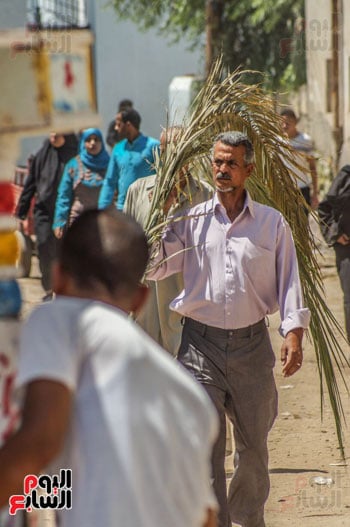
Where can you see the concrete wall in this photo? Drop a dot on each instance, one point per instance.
(13, 13)
(318, 50)
(137, 66)
(345, 155)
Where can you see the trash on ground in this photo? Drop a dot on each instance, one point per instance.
(321, 480)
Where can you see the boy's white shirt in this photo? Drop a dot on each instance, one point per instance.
(142, 430)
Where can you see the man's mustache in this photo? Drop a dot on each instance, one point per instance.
(223, 175)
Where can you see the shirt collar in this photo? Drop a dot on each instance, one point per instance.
(248, 203)
(135, 141)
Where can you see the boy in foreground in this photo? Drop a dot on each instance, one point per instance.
(103, 400)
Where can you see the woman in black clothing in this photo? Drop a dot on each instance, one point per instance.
(45, 173)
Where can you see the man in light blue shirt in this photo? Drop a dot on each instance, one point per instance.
(131, 159)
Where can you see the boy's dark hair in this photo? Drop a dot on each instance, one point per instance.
(105, 247)
(132, 116)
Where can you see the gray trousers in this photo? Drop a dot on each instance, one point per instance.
(236, 369)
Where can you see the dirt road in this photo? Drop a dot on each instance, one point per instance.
(302, 446)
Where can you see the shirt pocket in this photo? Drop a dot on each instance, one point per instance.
(254, 262)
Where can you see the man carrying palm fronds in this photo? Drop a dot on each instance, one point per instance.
(239, 264)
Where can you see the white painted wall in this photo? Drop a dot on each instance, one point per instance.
(137, 66)
(345, 156)
(13, 13)
(318, 50)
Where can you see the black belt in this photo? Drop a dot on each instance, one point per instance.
(204, 329)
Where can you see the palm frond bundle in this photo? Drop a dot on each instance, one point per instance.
(226, 103)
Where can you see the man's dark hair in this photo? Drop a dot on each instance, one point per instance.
(288, 112)
(132, 116)
(236, 138)
(105, 247)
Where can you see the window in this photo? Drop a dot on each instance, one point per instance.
(56, 14)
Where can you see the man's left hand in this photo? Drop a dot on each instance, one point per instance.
(291, 352)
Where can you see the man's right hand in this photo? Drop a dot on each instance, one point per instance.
(291, 352)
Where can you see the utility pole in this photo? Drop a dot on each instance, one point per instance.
(213, 15)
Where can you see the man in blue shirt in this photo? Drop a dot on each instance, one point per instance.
(131, 159)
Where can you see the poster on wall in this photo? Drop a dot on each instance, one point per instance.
(71, 83)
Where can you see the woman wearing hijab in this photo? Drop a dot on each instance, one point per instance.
(45, 172)
(81, 181)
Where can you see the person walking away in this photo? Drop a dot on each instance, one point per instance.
(44, 176)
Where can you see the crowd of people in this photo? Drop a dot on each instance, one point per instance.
(70, 174)
(144, 434)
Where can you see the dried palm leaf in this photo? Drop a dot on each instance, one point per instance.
(226, 103)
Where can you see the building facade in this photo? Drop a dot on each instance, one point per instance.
(125, 62)
(136, 66)
(327, 26)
